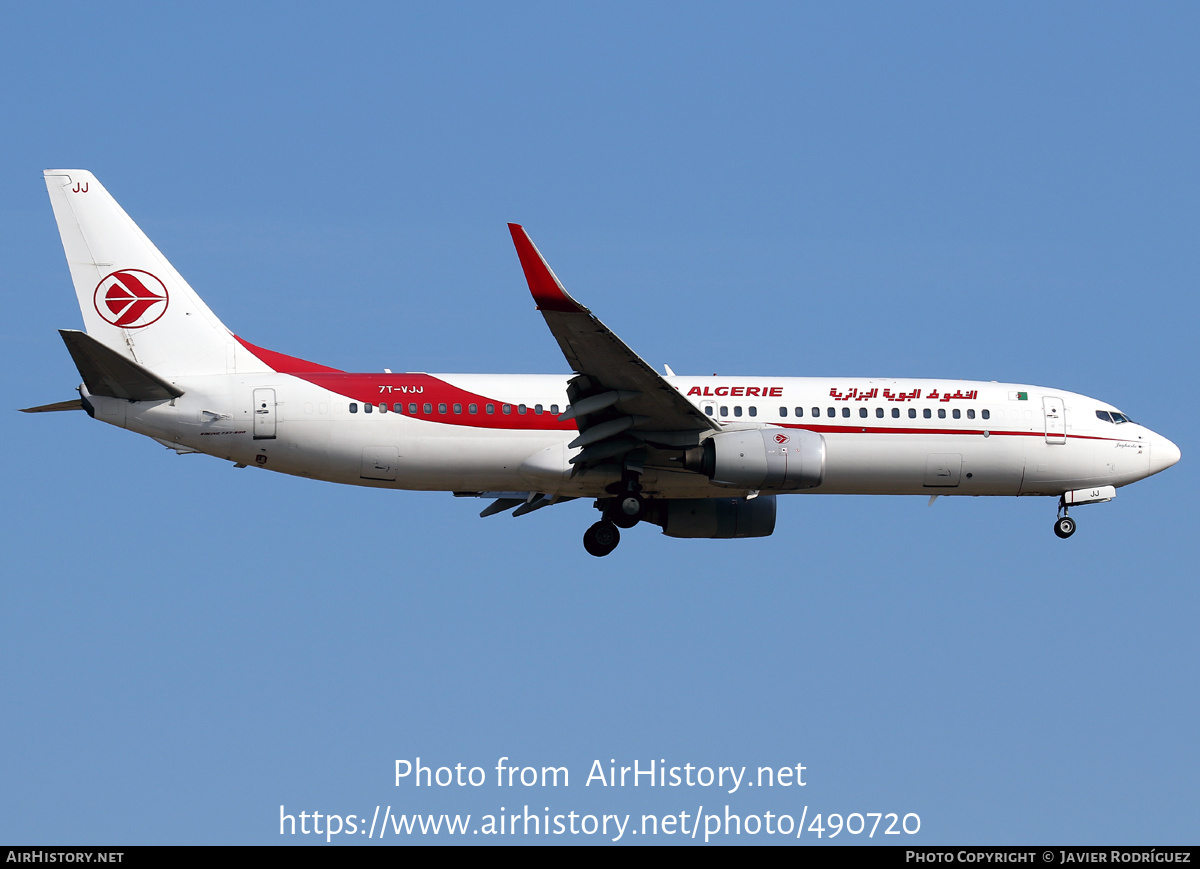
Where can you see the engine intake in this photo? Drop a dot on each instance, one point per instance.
(773, 458)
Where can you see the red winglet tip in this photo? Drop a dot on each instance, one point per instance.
(546, 289)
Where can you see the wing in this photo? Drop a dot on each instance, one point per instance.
(619, 403)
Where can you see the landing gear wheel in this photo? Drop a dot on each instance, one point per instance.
(628, 510)
(601, 539)
(1064, 526)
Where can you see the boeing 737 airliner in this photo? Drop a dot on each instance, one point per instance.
(698, 456)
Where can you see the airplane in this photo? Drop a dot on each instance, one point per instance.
(700, 457)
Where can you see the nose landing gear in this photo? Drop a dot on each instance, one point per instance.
(1064, 525)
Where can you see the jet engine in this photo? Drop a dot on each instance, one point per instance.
(772, 458)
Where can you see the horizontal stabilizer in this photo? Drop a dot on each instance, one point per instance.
(73, 404)
(107, 372)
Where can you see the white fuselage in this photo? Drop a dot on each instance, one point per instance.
(435, 432)
(689, 454)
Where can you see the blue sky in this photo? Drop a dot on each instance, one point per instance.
(1002, 192)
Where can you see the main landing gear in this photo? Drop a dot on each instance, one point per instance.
(1064, 525)
(625, 510)
(601, 539)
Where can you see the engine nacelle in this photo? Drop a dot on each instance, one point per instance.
(722, 518)
(772, 458)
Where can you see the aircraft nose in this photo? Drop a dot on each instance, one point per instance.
(1163, 454)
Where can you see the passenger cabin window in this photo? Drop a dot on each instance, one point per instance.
(862, 411)
(927, 413)
(957, 413)
(971, 413)
(986, 414)
(941, 413)
(472, 408)
(398, 407)
(753, 411)
(912, 413)
(783, 411)
(708, 409)
(895, 413)
(428, 407)
(554, 409)
(831, 411)
(367, 408)
(412, 408)
(799, 411)
(354, 407)
(724, 411)
(737, 410)
(879, 412)
(491, 408)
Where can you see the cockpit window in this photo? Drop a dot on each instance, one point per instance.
(1103, 415)
(1112, 416)
(1120, 417)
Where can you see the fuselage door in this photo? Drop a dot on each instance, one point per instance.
(264, 414)
(1056, 419)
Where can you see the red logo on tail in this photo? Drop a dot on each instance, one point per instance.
(131, 299)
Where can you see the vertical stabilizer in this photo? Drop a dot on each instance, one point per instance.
(133, 301)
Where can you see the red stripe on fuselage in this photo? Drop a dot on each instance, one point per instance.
(419, 389)
(422, 389)
(406, 389)
(862, 429)
(283, 363)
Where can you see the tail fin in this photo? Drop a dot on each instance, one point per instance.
(133, 301)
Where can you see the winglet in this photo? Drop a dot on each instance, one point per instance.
(546, 288)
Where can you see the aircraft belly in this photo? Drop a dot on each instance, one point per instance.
(916, 464)
(1052, 469)
(467, 460)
